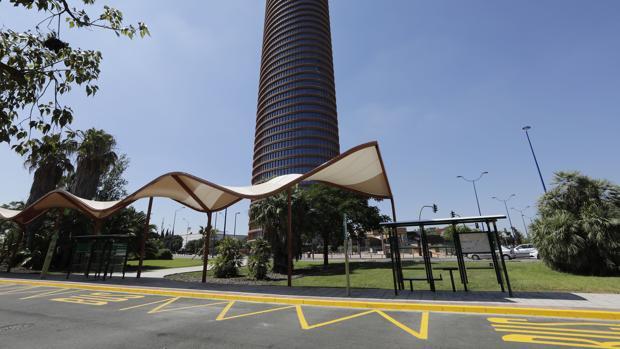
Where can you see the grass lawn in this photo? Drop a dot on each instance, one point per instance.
(524, 276)
(531, 276)
(150, 264)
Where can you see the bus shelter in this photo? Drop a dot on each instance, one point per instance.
(485, 241)
(99, 255)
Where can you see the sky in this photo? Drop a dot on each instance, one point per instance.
(444, 87)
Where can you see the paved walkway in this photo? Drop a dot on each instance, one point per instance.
(161, 273)
(559, 300)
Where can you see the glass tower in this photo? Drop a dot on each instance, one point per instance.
(296, 119)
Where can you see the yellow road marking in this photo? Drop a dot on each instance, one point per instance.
(161, 307)
(97, 298)
(18, 290)
(222, 315)
(51, 293)
(338, 303)
(559, 341)
(144, 305)
(516, 321)
(304, 324)
(558, 333)
(497, 327)
(421, 334)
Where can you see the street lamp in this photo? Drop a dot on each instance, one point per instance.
(473, 182)
(174, 221)
(507, 212)
(526, 128)
(523, 217)
(235, 229)
(225, 216)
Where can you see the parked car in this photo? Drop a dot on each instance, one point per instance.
(508, 254)
(534, 254)
(524, 251)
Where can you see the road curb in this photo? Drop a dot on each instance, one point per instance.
(360, 304)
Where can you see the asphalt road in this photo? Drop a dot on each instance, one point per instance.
(52, 317)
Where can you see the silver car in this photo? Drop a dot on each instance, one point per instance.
(508, 254)
(524, 251)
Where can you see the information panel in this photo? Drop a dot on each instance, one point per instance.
(474, 243)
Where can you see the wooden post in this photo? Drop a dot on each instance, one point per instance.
(289, 239)
(205, 248)
(145, 234)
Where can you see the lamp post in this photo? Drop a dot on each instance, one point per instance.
(225, 216)
(526, 129)
(235, 229)
(174, 220)
(473, 182)
(507, 212)
(523, 217)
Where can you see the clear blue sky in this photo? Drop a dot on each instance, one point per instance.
(444, 86)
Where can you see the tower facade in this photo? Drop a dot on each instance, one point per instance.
(296, 118)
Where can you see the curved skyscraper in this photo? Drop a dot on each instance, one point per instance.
(296, 119)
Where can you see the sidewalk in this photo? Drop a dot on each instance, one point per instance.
(550, 300)
(161, 273)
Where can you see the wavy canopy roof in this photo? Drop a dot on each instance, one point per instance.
(359, 169)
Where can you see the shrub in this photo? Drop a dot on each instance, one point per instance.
(578, 230)
(229, 258)
(164, 254)
(258, 261)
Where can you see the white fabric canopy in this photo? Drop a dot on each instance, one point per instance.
(359, 169)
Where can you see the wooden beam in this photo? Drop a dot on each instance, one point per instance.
(191, 193)
(145, 234)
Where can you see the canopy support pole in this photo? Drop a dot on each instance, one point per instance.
(51, 247)
(205, 248)
(20, 237)
(97, 226)
(289, 240)
(397, 272)
(145, 233)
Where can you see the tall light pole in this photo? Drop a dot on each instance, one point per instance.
(174, 221)
(522, 217)
(473, 182)
(225, 216)
(507, 212)
(527, 128)
(235, 229)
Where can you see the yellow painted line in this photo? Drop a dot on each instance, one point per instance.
(397, 306)
(304, 324)
(537, 328)
(19, 290)
(51, 293)
(222, 315)
(558, 341)
(556, 333)
(421, 334)
(144, 305)
(164, 304)
(509, 321)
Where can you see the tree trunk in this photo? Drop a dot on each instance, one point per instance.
(45, 179)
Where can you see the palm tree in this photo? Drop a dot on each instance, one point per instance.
(578, 229)
(49, 158)
(271, 215)
(95, 156)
